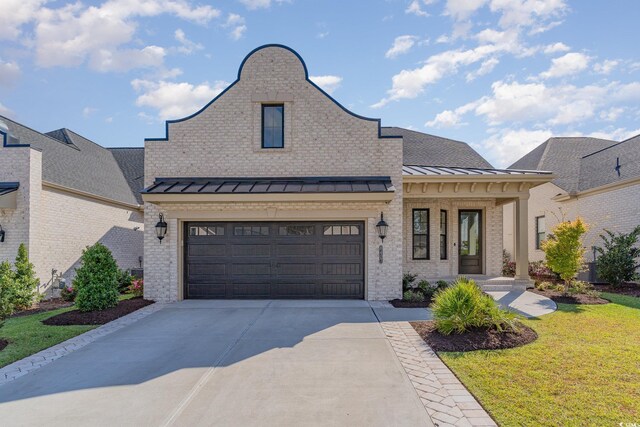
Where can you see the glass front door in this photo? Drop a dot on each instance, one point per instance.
(470, 247)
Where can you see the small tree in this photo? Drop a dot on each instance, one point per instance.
(617, 262)
(564, 251)
(26, 281)
(96, 280)
(7, 286)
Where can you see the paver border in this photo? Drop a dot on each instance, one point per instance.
(446, 399)
(44, 357)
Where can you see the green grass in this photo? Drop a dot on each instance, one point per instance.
(584, 369)
(27, 335)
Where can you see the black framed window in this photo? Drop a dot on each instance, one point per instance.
(272, 126)
(541, 231)
(421, 234)
(443, 235)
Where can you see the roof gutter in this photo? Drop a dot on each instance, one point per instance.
(597, 190)
(92, 196)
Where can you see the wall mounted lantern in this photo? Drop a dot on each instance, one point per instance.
(1, 234)
(382, 227)
(161, 228)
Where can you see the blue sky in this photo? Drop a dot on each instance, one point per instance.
(502, 75)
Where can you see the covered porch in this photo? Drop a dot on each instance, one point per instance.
(453, 223)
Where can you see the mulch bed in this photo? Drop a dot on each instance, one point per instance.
(629, 289)
(3, 344)
(398, 303)
(42, 306)
(75, 317)
(476, 339)
(559, 297)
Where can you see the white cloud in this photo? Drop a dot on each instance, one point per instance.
(260, 4)
(556, 48)
(328, 83)
(88, 112)
(445, 119)
(5, 111)
(175, 100)
(612, 114)
(74, 34)
(237, 25)
(415, 7)
(401, 45)
(14, 14)
(527, 13)
(9, 72)
(186, 46)
(485, 68)
(569, 64)
(508, 145)
(615, 134)
(462, 9)
(606, 66)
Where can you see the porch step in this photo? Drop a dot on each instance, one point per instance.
(495, 287)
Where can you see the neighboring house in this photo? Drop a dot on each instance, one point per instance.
(60, 192)
(274, 190)
(596, 179)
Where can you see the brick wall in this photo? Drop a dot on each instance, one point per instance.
(435, 267)
(321, 139)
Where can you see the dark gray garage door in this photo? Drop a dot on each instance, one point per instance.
(274, 260)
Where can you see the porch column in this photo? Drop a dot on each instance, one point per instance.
(521, 230)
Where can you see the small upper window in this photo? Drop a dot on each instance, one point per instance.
(541, 231)
(273, 126)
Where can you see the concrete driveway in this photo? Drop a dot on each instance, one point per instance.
(266, 363)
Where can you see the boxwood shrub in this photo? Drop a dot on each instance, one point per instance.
(96, 281)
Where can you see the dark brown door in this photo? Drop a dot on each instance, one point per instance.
(313, 260)
(470, 242)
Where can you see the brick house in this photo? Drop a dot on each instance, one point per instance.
(60, 192)
(274, 190)
(596, 179)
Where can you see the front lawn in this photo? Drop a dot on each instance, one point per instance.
(27, 335)
(584, 369)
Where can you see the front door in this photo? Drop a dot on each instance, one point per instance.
(470, 242)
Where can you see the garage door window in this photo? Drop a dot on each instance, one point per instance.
(341, 230)
(206, 231)
(297, 230)
(251, 231)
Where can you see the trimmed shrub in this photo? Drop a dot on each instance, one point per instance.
(463, 306)
(563, 249)
(96, 280)
(617, 262)
(136, 288)
(7, 285)
(124, 281)
(442, 284)
(68, 294)
(26, 281)
(407, 281)
(412, 296)
(508, 266)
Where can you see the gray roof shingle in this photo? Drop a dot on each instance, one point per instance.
(72, 161)
(131, 161)
(562, 156)
(424, 149)
(599, 168)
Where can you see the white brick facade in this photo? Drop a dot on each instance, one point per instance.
(321, 139)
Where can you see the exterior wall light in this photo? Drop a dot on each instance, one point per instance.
(382, 227)
(1, 234)
(161, 228)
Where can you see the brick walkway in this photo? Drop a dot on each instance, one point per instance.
(445, 398)
(48, 355)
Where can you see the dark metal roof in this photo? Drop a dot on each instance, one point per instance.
(338, 184)
(413, 170)
(8, 187)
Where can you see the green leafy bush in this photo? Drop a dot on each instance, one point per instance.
(136, 288)
(124, 281)
(463, 306)
(407, 281)
(617, 262)
(26, 281)
(412, 296)
(96, 280)
(563, 249)
(442, 284)
(7, 285)
(68, 294)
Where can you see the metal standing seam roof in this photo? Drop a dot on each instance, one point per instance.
(8, 187)
(414, 170)
(371, 184)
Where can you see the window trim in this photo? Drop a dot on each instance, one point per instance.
(263, 106)
(537, 224)
(413, 234)
(444, 233)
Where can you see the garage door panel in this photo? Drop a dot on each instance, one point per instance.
(321, 259)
